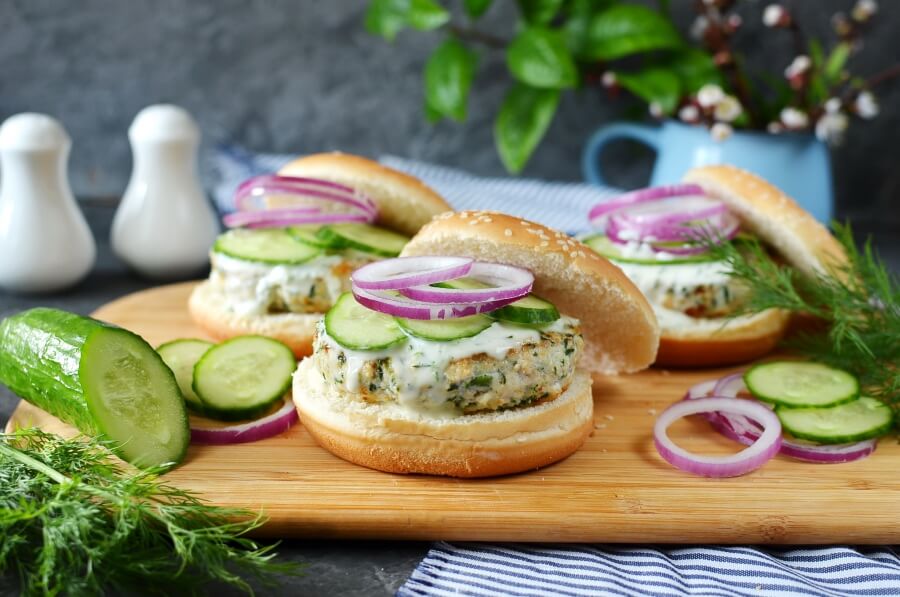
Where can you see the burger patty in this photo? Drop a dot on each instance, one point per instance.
(540, 366)
(695, 289)
(260, 288)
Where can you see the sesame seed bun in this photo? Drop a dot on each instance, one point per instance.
(784, 226)
(620, 329)
(404, 202)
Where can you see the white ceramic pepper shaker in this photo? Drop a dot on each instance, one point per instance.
(164, 226)
(45, 242)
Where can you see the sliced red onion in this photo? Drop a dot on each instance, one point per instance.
(273, 424)
(732, 465)
(506, 282)
(400, 306)
(403, 272)
(304, 187)
(289, 216)
(599, 212)
(720, 227)
(746, 431)
(672, 212)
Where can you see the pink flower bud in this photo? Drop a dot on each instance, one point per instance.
(689, 114)
(608, 79)
(775, 15)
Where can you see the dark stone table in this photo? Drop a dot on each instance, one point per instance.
(334, 567)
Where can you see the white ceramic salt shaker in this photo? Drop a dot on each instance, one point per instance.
(164, 226)
(45, 243)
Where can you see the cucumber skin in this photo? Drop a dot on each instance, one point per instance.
(40, 353)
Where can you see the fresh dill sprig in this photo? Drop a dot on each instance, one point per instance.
(857, 305)
(73, 522)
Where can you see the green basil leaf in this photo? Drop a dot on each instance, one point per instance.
(426, 15)
(695, 68)
(524, 117)
(626, 29)
(834, 66)
(386, 18)
(448, 78)
(539, 12)
(538, 56)
(476, 8)
(653, 84)
(579, 15)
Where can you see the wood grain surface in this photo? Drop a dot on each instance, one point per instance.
(615, 489)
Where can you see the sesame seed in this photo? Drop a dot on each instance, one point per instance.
(507, 232)
(544, 243)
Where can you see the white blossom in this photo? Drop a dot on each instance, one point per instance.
(608, 79)
(831, 127)
(800, 65)
(709, 95)
(863, 10)
(775, 128)
(793, 118)
(773, 15)
(689, 113)
(699, 27)
(866, 105)
(728, 109)
(833, 105)
(656, 109)
(721, 131)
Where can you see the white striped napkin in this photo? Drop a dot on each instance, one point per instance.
(480, 569)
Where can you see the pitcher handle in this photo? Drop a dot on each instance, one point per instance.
(590, 157)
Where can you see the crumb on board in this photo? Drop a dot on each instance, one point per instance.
(610, 417)
(651, 411)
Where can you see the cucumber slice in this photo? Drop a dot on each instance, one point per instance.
(442, 330)
(104, 380)
(529, 310)
(608, 249)
(363, 237)
(243, 377)
(308, 233)
(268, 245)
(358, 328)
(796, 384)
(181, 356)
(854, 421)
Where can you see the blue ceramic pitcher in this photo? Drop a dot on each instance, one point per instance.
(797, 164)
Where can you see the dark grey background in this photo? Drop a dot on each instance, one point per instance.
(303, 76)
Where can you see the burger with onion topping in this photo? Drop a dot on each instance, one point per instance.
(471, 355)
(295, 239)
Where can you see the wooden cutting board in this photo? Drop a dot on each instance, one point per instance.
(615, 489)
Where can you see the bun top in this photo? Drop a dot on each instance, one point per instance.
(620, 329)
(405, 203)
(773, 216)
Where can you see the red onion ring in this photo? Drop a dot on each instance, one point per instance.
(288, 216)
(506, 282)
(273, 424)
(746, 431)
(732, 465)
(599, 211)
(303, 187)
(671, 212)
(403, 272)
(400, 306)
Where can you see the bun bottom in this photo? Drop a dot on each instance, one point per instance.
(390, 438)
(714, 343)
(209, 309)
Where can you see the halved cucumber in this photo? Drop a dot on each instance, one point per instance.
(363, 237)
(358, 328)
(268, 245)
(243, 377)
(529, 310)
(795, 384)
(854, 421)
(602, 245)
(181, 356)
(443, 330)
(99, 378)
(308, 233)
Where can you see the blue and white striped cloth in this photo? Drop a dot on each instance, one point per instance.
(480, 569)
